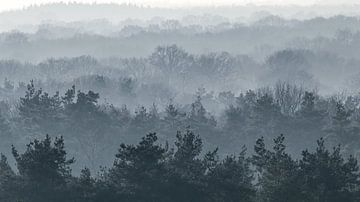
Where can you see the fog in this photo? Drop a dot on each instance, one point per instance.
(18, 4)
(254, 101)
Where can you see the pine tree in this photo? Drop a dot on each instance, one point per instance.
(343, 131)
(199, 120)
(328, 177)
(174, 119)
(44, 169)
(278, 172)
(39, 112)
(85, 188)
(8, 181)
(264, 117)
(5, 132)
(308, 122)
(187, 180)
(231, 180)
(138, 170)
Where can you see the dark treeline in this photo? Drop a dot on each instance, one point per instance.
(149, 171)
(93, 129)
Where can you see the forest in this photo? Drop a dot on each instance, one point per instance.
(273, 144)
(99, 103)
(149, 171)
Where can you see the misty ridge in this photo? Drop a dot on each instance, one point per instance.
(108, 102)
(253, 47)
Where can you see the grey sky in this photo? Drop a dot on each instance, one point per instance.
(18, 4)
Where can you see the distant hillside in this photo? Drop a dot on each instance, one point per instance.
(34, 15)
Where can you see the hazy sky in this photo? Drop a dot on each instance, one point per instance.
(16, 4)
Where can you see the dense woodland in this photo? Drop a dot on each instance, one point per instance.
(93, 130)
(179, 107)
(149, 171)
(271, 144)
